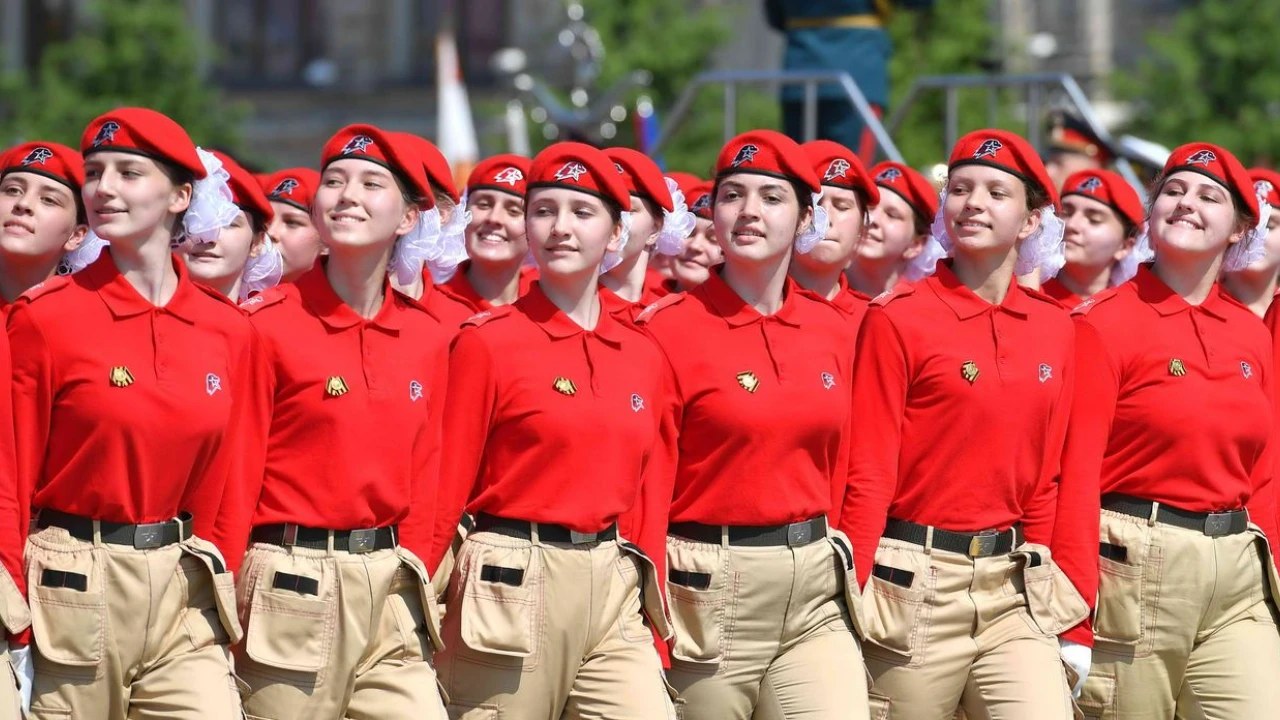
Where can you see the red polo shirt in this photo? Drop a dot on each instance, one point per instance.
(352, 409)
(125, 411)
(758, 408)
(13, 519)
(461, 289)
(851, 304)
(548, 422)
(1174, 401)
(961, 410)
(1056, 290)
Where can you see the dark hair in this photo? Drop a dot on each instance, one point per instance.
(257, 221)
(922, 223)
(1037, 197)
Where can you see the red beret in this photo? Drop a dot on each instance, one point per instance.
(1266, 183)
(1004, 151)
(366, 142)
(506, 173)
(295, 186)
(245, 190)
(439, 174)
(839, 167)
(579, 167)
(699, 199)
(686, 182)
(1109, 189)
(54, 161)
(1218, 165)
(642, 176)
(767, 152)
(142, 132)
(909, 184)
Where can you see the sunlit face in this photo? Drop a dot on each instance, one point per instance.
(37, 218)
(890, 235)
(127, 197)
(986, 211)
(360, 204)
(1095, 235)
(701, 253)
(569, 231)
(846, 214)
(1193, 214)
(496, 234)
(297, 237)
(220, 263)
(757, 218)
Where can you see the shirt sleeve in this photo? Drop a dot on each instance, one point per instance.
(1263, 502)
(469, 410)
(32, 399)
(1093, 408)
(417, 531)
(881, 377)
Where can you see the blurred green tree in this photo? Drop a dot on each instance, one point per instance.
(131, 53)
(1213, 76)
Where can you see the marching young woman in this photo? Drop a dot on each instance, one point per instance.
(494, 273)
(896, 231)
(291, 193)
(701, 253)
(126, 378)
(848, 194)
(962, 389)
(761, 588)
(42, 217)
(241, 260)
(656, 222)
(339, 613)
(1103, 215)
(1256, 285)
(1174, 415)
(550, 425)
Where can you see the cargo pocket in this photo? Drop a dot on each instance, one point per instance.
(895, 612)
(1269, 572)
(426, 589)
(14, 612)
(1127, 562)
(697, 587)
(844, 566)
(881, 706)
(224, 587)
(650, 591)
(68, 605)
(501, 599)
(293, 613)
(1097, 698)
(473, 712)
(1052, 599)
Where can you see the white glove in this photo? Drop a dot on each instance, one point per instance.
(1079, 658)
(20, 658)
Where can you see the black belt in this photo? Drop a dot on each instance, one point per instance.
(975, 545)
(144, 536)
(353, 541)
(795, 534)
(547, 532)
(1213, 524)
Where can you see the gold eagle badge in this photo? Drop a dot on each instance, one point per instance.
(336, 387)
(564, 386)
(748, 381)
(121, 377)
(1176, 368)
(969, 371)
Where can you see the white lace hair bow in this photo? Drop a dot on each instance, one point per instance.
(677, 225)
(416, 247)
(808, 240)
(212, 203)
(613, 258)
(453, 243)
(83, 256)
(1126, 267)
(1253, 246)
(263, 271)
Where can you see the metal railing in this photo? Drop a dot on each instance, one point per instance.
(1037, 87)
(809, 80)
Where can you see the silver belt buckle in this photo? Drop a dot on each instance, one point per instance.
(1218, 524)
(362, 541)
(149, 536)
(983, 544)
(800, 533)
(578, 538)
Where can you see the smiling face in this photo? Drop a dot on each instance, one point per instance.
(986, 211)
(569, 231)
(360, 204)
(496, 235)
(757, 217)
(128, 197)
(891, 235)
(701, 253)
(297, 237)
(38, 218)
(219, 264)
(1095, 236)
(1194, 215)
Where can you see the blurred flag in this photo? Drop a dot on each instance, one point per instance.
(456, 136)
(646, 126)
